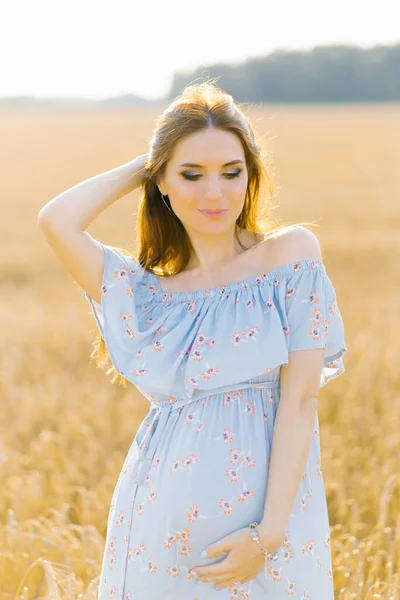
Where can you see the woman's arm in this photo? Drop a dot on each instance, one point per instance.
(78, 206)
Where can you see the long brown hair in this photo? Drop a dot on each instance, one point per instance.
(163, 246)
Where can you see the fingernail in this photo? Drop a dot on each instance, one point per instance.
(203, 554)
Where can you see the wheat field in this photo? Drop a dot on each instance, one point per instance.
(65, 430)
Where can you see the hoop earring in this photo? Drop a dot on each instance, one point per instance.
(167, 205)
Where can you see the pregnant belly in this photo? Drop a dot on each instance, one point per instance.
(208, 477)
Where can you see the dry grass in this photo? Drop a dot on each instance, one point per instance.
(65, 431)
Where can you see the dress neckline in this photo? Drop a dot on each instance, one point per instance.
(285, 270)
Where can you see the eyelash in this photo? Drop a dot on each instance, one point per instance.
(230, 175)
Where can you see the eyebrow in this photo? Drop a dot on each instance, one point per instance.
(232, 162)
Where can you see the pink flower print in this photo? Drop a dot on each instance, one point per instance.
(319, 468)
(189, 460)
(307, 548)
(234, 475)
(185, 550)
(174, 571)
(103, 290)
(269, 303)
(314, 332)
(172, 399)
(138, 372)
(155, 463)
(227, 436)
(236, 339)
(251, 409)
(276, 573)
(326, 324)
(152, 288)
(130, 332)
(287, 555)
(167, 297)
(200, 339)
(121, 372)
(125, 316)
(249, 304)
(211, 343)
(327, 542)
(268, 370)
(328, 572)
(202, 426)
(112, 544)
(313, 297)
(196, 355)
(297, 267)
(184, 535)
(157, 346)
(226, 505)
(160, 331)
(206, 401)
(149, 321)
(192, 381)
(120, 273)
(286, 542)
(248, 461)
(189, 419)
(112, 592)
(126, 470)
(210, 372)
(249, 333)
(286, 330)
(332, 306)
(246, 495)
(175, 466)
(151, 566)
(134, 553)
(140, 508)
(303, 502)
(193, 513)
(290, 291)
(277, 281)
(235, 456)
(305, 596)
(139, 354)
(121, 519)
(265, 418)
(112, 562)
(170, 541)
(316, 318)
(291, 588)
(144, 309)
(128, 595)
(192, 307)
(190, 574)
(318, 563)
(151, 497)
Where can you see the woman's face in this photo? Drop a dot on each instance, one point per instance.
(212, 185)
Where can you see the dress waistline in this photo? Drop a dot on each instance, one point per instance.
(160, 413)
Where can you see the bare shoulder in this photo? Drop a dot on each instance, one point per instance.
(295, 243)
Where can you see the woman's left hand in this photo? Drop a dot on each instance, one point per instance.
(245, 559)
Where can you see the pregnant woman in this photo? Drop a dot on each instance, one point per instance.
(229, 326)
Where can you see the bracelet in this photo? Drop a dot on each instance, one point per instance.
(267, 555)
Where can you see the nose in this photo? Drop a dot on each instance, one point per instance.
(213, 189)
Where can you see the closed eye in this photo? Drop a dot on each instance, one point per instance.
(195, 177)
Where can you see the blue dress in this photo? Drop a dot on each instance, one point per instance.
(208, 362)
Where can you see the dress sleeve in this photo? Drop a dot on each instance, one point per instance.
(116, 316)
(313, 318)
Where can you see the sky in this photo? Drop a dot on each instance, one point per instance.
(98, 50)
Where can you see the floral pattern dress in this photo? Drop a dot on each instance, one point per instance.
(208, 361)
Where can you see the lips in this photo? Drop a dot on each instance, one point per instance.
(212, 212)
